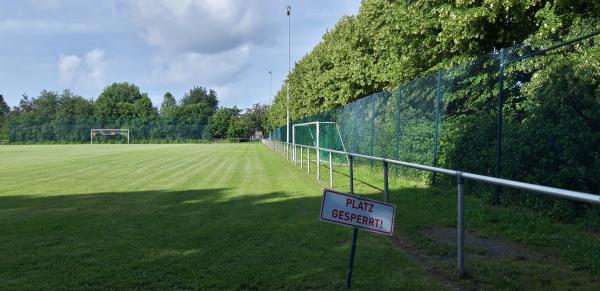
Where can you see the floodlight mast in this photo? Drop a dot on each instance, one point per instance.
(287, 133)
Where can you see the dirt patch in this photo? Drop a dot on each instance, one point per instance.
(431, 264)
(490, 247)
(442, 268)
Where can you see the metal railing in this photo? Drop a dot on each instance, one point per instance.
(284, 148)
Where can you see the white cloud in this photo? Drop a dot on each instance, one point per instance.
(191, 67)
(86, 71)
(204, 26)
(202, 42)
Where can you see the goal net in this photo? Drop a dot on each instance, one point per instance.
(109, 135)
(320, 134)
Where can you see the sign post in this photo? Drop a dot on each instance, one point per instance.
(357, 212)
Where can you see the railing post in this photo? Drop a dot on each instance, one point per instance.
(330, 170)
(386, 196)
(294, 144)
(301, 160)
(308, 160)
(351, 173)
(460, 181)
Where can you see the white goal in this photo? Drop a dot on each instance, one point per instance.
(95, 133)
(319, 134)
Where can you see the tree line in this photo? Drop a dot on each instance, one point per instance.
(67, 117)
(391, 42)
(412, 51)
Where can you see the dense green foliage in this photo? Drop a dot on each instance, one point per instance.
(417, 51)
(67, 118)
(222, 121)
(122, 101)
(229, 122)
(391, 42)
(4, 110)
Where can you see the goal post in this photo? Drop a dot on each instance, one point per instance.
(112, 132)
(319, 134)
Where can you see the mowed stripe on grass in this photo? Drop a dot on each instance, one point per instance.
(176, 216)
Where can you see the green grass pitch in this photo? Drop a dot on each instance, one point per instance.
(239, 216)
(219, 216)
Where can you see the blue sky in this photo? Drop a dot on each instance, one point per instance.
(159, 45)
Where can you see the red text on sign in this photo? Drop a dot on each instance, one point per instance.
(357, 218)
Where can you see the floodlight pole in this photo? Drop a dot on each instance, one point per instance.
(289, 11)
(271, 88)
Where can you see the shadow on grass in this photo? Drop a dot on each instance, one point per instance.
(192, 239)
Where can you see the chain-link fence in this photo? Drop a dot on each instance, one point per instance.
(24, 130)
(530, 113)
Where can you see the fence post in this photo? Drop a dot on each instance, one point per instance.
(372, 134)
(436, 136)
(318, 153)
(460, 181)
(398, 128)
(499, 129)
(330, 170)
(386, 196)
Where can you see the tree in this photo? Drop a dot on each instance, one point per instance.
(71, 105)
(393, 42)
(47, 104)
(124, 101)
(255, 118)
(4, 109)
(25, 104)
(193, 114)
(221, 121)
(238, 128)
(199, 95)
(168, 105)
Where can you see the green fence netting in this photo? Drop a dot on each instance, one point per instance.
(23, 129)
(530, 113)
